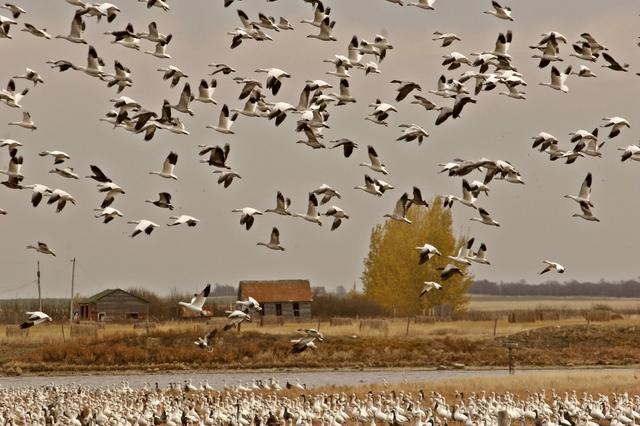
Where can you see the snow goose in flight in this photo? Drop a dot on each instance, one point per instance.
(224, 122)
(121, 78)
(480, 256)
(312, 134)
(584, 71)
(552, 266)
(247, 216)
(558, 79)
(485, 218)
(161, 48)
(12, 146)
(274, 78)
(543, 140)
(454, 60)
(584, 196)
(142, 225)
(163, 201)
(168, 167)
(467, 199)
(596, 47)
(383, 186)
(67, 172)
(4, 30)
(631, 152)
(282, 205)
(404, 88)
(583, 51)
(58, 156)
(502, 12)
(26, 122)
(172, 73)
(319, 15)
(217, 155)
(30, 75)
(338, 214)
(249, 304)
(380, 112)
(274, 241)
(344, 97)
(38, 191)
(98, 175)
(284, 24)
(463, 252)
(126, 37)
(108, 213)
(428, 286)
(423, 102)
(374, 161)
(205, 92)
(197, 302)
(77, 28)
(158, 3)
(184, 219)
(327, 193)
(513, 92)
(412, 132)
(35, 318)
(206, 341)
(279, 111)
(342, 65)
(15, 10)
(427, 251)
(250, 108)
(449, 271)
(417, 198)
(227, 176)
(94, 65)
(370, 186)
(42, 248)
(326, 26)
(612, 64)
(61, 197)
(15, 167)
(112, 190)
(184, 101)
(586, 213)
(235, 318)
(549, 54)
(583, 135)
(616, 124)
(447, 38)
(347, 146)
(302, 344)
(371, 68)
(312, 214)
(153, 35)
(401, 209)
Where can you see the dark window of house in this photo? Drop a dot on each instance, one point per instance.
(296, 309)
(278, 309)
(133, 315)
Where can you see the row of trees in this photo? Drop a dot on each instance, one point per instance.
(628, 288)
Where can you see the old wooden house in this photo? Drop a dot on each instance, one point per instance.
(287, 298)
(114, 305)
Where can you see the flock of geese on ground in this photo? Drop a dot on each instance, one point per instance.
(484, 71)
(260, 405)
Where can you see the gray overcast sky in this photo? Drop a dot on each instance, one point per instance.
(536, 221)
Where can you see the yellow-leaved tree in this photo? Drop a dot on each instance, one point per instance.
(392, 276)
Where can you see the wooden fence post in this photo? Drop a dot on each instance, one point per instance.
(408, 322)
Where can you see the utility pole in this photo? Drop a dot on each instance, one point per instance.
(73, 276)
(39, 291)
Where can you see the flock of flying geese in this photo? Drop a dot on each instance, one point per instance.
(190, 404)
(485, 70)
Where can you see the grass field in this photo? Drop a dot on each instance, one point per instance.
(505, 303)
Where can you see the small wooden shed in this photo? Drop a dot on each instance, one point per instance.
(114, 305)
(287, 298)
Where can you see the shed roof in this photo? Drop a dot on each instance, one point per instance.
(103, 293)
(276, 291)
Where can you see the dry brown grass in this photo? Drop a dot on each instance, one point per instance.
(505, 303)
(521, 383)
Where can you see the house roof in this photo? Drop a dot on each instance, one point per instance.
(107, 292)
(276, 291)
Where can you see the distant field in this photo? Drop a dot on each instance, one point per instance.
(505, 303)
